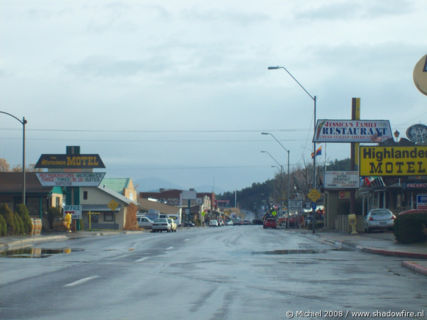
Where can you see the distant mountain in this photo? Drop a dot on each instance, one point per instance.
(205, 188)
(154, 184)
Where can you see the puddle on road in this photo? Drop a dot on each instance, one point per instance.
(290, 251)
(36, 252)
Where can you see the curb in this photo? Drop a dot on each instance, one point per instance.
(403, 254)
(415, 267)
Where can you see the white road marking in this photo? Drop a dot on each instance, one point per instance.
(81, 281)
(170, 248)
(186, 239)
(142, 259)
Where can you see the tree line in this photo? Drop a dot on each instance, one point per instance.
(261, 195)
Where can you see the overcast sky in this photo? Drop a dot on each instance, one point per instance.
(180, 91)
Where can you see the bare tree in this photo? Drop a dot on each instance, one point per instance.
(4, 165)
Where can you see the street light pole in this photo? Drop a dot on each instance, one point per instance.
(23, 122)
(288, 151)
(274, 159)
(314, 98)
(281, 170)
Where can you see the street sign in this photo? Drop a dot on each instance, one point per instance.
(313, 205)
(74, 210)
(113, 205)
(393, 161)
(70, 179)
(346, 131)
(341, 180)
(314, 195)
(70, 161)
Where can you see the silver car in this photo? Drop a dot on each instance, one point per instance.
(379, 219)
(144, 222)
(161, 224)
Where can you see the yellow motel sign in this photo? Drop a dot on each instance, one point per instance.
(393, 161)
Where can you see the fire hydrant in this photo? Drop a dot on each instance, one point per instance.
(352, 221)
(67, 221)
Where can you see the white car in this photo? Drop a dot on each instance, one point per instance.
(144, 222)
(161, 224)
(380, 218)
(213, 223)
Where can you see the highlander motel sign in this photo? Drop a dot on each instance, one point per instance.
(393, 161)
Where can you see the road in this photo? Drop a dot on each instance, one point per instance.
(240, 272)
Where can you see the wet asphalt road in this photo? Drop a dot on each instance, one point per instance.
(240, 272)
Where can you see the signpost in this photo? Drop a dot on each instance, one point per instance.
(393, 161)
(69, 161)
(74, 210)
(70, 179)
(314, 195)
(72, 171)
(341, 179)
(352, 131)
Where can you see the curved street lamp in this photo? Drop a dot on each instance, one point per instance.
(274, 159)
(314, 98)
(23, 122)
(288, 151)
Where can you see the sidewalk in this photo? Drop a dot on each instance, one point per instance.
(18, 242)
(382, 243)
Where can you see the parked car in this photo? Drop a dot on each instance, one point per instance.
(213, 223)
(229, 223)
(161, 224)
(270, 223)
(173, 224)
(380, 218)
(144, 222)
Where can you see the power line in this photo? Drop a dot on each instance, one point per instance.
(157, 131)
(156, 140)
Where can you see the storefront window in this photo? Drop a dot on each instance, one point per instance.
(109, 217)
(95, 218)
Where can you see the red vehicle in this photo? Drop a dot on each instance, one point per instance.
(411, 211)
(270, 223)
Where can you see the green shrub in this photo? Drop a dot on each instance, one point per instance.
(410, 228)
(23, 212)
(9, 217)
(3, 226)
(19, 224)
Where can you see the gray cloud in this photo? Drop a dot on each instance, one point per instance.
(226, 16)
(356, 9)
(108, 67)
